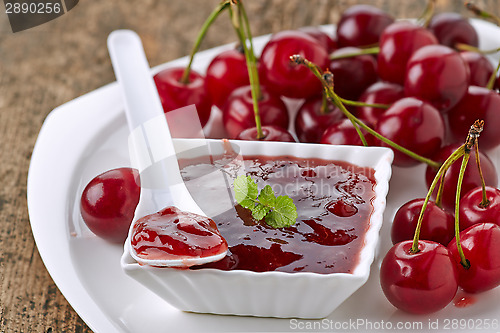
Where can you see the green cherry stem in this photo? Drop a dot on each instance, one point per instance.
(482, 13)
(239, 20)
(428, 13)
(467, 47)
(369, 50)
(493, 77)
(298, 59)
(211, 19)
(463, 261)
(485, 202)
(446, 164)
(324, 104)
(360, 104)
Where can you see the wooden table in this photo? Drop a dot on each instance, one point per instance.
(49, 65)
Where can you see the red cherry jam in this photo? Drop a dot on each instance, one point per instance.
(175, 234)
(334, 205)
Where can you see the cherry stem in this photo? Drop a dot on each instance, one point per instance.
(426, 16)
(481, 13)
(463, 260)
(357, 103)
(446, 164)
(493, 77)
(298, 59)
(242, 28)
(439, 195)
(369, 50)
(485, 202)
(324, 104)
(467, 47)
(211, 19)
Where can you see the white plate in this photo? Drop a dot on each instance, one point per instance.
(87, 136)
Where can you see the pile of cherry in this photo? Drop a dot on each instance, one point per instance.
(433, 94)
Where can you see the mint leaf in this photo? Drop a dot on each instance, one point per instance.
(260, 211)
(245, 191)
(267, 197)
(284, 213)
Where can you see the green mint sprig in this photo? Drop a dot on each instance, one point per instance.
(279, 212)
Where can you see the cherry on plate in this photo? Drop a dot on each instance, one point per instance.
(238, 113)
(227, 71)
(437, 74)
(471, 176)
(415, 125)
(481, 247)
(310, 123)
(175, 94)
(478, 103)
(452, 28)
(271, 133)
(472, 211)
(437, 224)
(281, 75)
(422, 282)
(352, 75)
(362, 25)
(378, 93)
(397, 44)
(108, 203)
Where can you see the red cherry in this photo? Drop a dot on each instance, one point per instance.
(422, 282)
(362, 25)
(238, 112)
(271, 133)
(480, 68)
(310, 123)
(281, 75)
(415, 125)
(478, 103)
(453, 28)
(226, 72)
(381, 93)
(397, 44)
(175, 94)
(437, 74)
(481, 247)
(322, 37)
(108, 203)
(354, 74)
(471, 176)
(471, 210)
(437, 224)
(342, 132)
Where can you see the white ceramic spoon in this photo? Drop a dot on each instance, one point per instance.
(151, 148)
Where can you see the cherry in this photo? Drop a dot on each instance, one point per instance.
(354, 74)
(322, 37)
(478, 103)
(362, 25)
(472, 211)
(108, 203)
(480, 68)
(175, 94)
(437, 74)
(437, 224)
(378, 93)
(415, 125)
(271, 133)
(342, 132)
(471, 175)
(226, 72)
(238, 111)
(310, 122)
(481, 247)
(397, 44)
(281, 75)
(422, 282)
(453, 28)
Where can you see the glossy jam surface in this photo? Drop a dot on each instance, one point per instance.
(174, 234)
(334, 204)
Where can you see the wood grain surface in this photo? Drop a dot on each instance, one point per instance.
(51, 64)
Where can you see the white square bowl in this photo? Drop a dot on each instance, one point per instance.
(272, 294)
